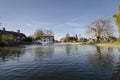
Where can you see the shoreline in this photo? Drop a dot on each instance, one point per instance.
(70, 43)
(113, 45)
(116, 45)
(109, 45)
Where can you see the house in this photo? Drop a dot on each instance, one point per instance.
(15, 36)
(46, 39)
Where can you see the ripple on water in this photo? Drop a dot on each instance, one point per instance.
(59, 62)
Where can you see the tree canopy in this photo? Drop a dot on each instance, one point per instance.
(39, 33)
(67, 38)
(117, 19)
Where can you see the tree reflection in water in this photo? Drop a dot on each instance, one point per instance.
(116, 74)
(8, 53)
(43, 51)
(101, 58)
(68, 49)
(71, 49)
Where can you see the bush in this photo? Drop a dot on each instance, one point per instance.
(28, 39)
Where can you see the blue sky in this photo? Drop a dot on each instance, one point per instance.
(60, 16)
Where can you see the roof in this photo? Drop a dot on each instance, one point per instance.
(13, 33)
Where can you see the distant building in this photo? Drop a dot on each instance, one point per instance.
(71, 39)
(16, 36)
(48, 38)
(62, 40)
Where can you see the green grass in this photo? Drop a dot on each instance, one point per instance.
(71, 43)
(112, 43)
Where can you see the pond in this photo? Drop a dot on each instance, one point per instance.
(59, 62)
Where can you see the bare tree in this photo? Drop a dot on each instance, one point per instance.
(100, 27)
(48, 32)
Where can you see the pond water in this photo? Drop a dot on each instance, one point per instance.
(59, 62)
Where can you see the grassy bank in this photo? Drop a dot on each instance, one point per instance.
(72, 43)
(109, 44)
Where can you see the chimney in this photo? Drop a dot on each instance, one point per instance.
(3, 29)
(18, 31)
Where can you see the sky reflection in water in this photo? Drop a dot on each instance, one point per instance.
(59, 62)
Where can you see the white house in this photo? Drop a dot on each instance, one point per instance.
(46, 39)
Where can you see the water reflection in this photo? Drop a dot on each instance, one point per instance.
(68, 50)
(43, 51)
(116, 74)
(119, 49)
(102, 58)
(8, 53)
(71, 49)
(76, 49)
(59, 62)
